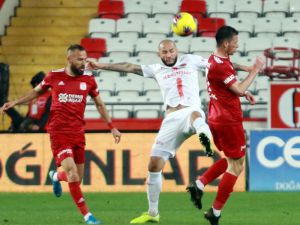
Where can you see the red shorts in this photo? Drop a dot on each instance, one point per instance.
(230, 139)
(65, 145)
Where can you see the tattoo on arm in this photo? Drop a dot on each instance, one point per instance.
(124, 67)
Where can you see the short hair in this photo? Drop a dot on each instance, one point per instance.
(225, 33)
(37, 78)
(75, 47)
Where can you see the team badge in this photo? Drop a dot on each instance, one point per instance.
(82, 86)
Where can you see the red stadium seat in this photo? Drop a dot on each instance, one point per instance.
(95, 47)
(111, 9)
(195, 7)
(207, 27)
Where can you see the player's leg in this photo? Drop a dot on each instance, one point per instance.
(154, 184)
(235, 167)
(71, 170)
(202, 130)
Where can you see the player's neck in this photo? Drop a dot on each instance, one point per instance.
(221, 53)
(69, 71)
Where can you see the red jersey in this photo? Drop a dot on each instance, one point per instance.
(37, 107)
(224, 106)
(68, 100)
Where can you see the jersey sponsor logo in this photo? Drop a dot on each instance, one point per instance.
(64, 151)
(228, 79)
(61, 83)
(217, 59)
(176, 73)
(64, 97)
(82, 86)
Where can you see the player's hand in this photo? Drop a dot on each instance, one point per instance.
(259, 63)
(35, 127)
(250, 98)
(7, 106)
(92, 65)
(117, 135)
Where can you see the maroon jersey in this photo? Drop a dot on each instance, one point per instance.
(224, 105)
(68, 100)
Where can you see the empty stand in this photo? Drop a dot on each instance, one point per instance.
(111, 9)
(102, 26)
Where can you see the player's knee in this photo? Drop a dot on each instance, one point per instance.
(195, 115)
(72, 174)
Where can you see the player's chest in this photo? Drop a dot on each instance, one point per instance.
(71, 86)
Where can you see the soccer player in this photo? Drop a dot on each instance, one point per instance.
(225, 121)
(177, 77)
(69, 87)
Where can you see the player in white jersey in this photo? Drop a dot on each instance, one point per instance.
(177, 77)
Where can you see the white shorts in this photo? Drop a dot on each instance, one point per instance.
(175, 129)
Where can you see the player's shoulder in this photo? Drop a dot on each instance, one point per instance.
(56, 72)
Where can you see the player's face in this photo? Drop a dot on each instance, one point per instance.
(232, 45)
(168, 53)
(77, 60)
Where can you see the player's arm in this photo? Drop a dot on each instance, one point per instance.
(119, 67)
(104, 114)
(32, 94)
(238, 67)
(239, 88)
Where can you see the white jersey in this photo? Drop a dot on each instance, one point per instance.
(179, 83)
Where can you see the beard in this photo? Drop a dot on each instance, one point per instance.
(169, 64)
(77, 71)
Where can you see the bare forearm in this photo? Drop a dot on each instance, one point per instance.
(27, 97)
(238, 67)
(122, 67)
(103, 112)
(245, 84)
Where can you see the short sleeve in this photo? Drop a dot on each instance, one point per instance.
(94, 92)
(198, 61)
(47, 82)
(228, 75)
(150, 70)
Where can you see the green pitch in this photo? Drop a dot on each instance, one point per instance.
(175, 209)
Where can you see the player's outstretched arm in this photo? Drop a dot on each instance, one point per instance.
(119, 67)
(241, 88)
(25, 98)
(239, 67)
(104, 114)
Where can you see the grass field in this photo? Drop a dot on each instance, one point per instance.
(175, 208)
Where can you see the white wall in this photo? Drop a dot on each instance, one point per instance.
(6, 12)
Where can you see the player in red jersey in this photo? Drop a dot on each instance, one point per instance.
(225, 121)
(69, 87)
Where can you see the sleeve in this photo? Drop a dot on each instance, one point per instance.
(94, 92)
(47, 82)
(149, 70)
(228, 75)
(200, 62)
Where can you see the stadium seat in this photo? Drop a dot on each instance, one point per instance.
(106, 84)
(147, 114)
(290, 42)
(129, 26)
(267, 27)
(113, 59)
(138, 7)
(204, 96)
(291, 27)
(259, 111)
(95, 47)
(222, 9)
(248, 8)
(207, 27)
(256, 46)
(202, 46)
(109, 74)
(165, 7)
(119, 47)
(295, 8)
(275, 8)
(111, 9)
(262, 83)
(91, 112)
(130, 84)
(102, 26)
(156, 26)
(195, 7)
(243, 25)
(147, 47)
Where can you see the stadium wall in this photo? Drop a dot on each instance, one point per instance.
(6, 11)
(25, 160)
